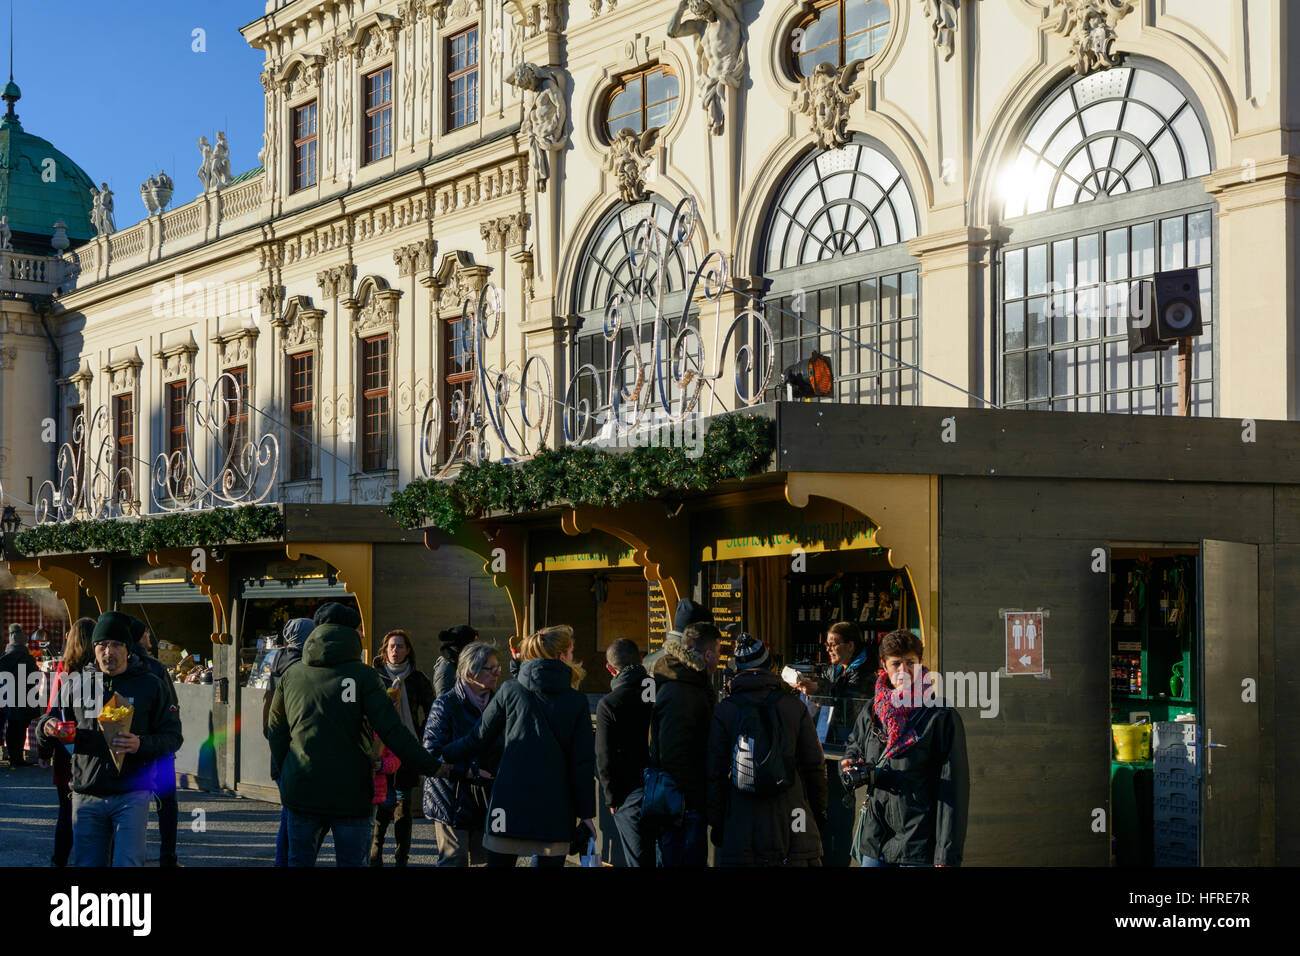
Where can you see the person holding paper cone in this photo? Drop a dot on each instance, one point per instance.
(117, 744)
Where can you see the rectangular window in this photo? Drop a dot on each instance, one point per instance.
(1066, 347)
(462, 79)
(458, 361)
(379, 114)
(301, 414)
(374, 403)
(304, 146)
(234, 391)
(176, 430)
(867, 328)
(123, 443)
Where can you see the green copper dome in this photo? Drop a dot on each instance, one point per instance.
(39, 186)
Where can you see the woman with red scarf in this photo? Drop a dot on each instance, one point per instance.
(915, 747)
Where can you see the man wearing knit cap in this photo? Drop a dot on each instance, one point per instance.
(454, 640)
(767, 772)
(688, 612)
(110, 805)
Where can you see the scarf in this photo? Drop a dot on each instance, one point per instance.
(896, 710)
(398, 678)
(858, 661)
(478, 697)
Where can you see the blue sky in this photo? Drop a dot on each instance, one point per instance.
(118, 87)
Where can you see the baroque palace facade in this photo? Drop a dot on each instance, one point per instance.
(966, 187)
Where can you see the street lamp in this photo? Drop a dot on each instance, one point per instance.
(810, 379)
(9, 520)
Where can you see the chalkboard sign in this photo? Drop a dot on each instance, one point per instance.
(727, 602)
(657, 612)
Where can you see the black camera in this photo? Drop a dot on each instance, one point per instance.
(857, 775)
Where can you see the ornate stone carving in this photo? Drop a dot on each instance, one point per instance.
(719, 49)
(942, 15)
(269, 298)
(156, 192)
(123, 373)
(236, 347)
(336, 281)
(505, 231)
(545, 114)
(214, 171)
(302, 76)
(1090, 27)
(457, 280)
(525, 259)
(8, 356)
(178, 360)
(628, 159)
(375, 308)
(375, 488)
(378, 40)
(300, 324)
(454, 10)
(825, 97)
(414, 257)
(545, 16)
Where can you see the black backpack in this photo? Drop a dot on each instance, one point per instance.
(762, 760)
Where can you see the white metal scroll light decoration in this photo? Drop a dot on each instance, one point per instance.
(635, 390)
(90, 484)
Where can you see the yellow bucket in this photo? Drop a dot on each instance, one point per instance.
(1132, 742)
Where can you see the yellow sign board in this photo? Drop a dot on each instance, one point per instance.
(778, 530)
(586, 560)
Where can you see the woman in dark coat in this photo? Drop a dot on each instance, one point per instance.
(752, 829)
(457, 803)
(915, 746)
(546, 778)
(413, 697)
(77, 653)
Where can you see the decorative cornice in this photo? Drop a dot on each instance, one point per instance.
(505, 232)
(269, 298)
(336, 282)
(942, 15)
(414, 257)
(236, 345)
(123, 373)
(178, 359)
(300, 324)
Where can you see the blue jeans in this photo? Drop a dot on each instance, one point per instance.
(121, 820)
(282, 839)
(686, 844)
(627, 819)
(307, 833)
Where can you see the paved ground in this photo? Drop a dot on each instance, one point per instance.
(237, 831)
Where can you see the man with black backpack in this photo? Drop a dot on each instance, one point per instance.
(767, 772)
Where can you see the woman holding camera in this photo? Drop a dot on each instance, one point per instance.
(909, 748)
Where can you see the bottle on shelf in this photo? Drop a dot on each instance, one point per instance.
(802, 612)
(1164, 598)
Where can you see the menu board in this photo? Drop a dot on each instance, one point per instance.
(727, 602)
(623, 613)
(657, 612)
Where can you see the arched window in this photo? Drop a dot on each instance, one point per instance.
(841, 280)
(1104, 135)
(642, 100)
(839, 32)
(612, 264)
(1075, 258)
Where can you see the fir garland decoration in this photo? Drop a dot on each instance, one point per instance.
(150, 533)
(734, 446)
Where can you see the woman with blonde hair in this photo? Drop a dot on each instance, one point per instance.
(545, 781)
(78, 651)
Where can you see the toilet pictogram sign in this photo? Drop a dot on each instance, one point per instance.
(1024, 642)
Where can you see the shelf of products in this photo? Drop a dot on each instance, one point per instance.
(877, 601)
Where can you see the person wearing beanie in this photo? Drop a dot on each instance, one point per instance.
(322, 707)
(336, 613)
(454, 640)
(751, 821)
(293, 636)
(165, 769)
(110, 806)
(17, 662)
(688, 612)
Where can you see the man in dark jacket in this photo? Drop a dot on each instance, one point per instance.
(164, 791)
(322, 717)
(454, 640)
(111, 805)
(916, 748)
(679, 737)
(757, 829)
(688, 612)
(19, 664)
(622, 753)
(292, 637)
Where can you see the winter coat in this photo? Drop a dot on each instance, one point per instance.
(679, 721)
(159, 670)
(322, 717)
(622, 731)
(389, 765)
(460, 800)
(753, 830)
(857, 679)
(917, 811)
(444, 671)
(420, 689)
(19, 663)
(546, 779)
(156, 721)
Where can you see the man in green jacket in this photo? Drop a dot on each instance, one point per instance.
(325, 710)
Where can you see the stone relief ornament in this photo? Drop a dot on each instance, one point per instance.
(942, 15)
(156, 192)
(825, 97)
(545, 114)
(719, 49)
(1090, 26)
(628, 159)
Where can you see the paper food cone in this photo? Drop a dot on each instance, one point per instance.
(112, 728)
